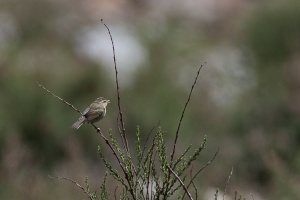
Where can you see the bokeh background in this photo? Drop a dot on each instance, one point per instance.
(246, 101)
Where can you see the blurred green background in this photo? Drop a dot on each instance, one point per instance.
(246, 101)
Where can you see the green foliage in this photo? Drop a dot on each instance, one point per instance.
(109, 167)
(92, 195)
(103, 190)
(150, 176)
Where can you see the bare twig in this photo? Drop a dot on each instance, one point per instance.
(251, 196)
(227, 183)
(177, 187)
(182, 184)
(196, 191)
(74, 182)
(118, 124)
(182, 114)
(202, 168)
(179, 125)
(123, 135)
(195, 188)
(59, 98)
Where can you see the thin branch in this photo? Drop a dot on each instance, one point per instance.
(182, 114)
(177, 131)
(177, 187)
(123, 135)
(202, 168)
(182, 155)
(179, 124)
(182, 184)
(70, 105)
(196, 191)
(118, 124)
(74, 182)
(149, 136)
(228, 180)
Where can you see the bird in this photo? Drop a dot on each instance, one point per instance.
(94, 113)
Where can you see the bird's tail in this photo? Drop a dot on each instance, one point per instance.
(79, 122)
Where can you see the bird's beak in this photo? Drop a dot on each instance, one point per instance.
(107, 101)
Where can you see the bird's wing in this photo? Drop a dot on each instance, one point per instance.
(86, 111)
(94, 114)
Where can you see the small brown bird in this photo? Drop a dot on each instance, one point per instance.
(94, 113)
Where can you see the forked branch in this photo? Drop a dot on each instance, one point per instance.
(181, 183)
